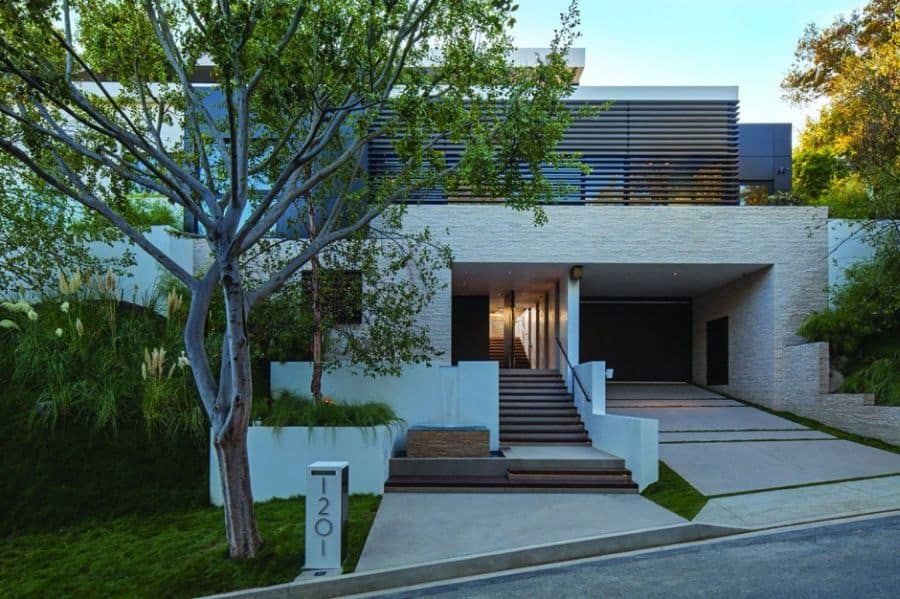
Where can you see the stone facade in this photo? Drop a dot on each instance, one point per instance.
(785, 248)
(808, 396)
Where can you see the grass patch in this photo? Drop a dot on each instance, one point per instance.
(289, 409)
(181, 554)
(675, 494)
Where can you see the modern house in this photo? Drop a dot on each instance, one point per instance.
(650, 269)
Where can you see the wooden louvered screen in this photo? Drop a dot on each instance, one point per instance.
(639, 152)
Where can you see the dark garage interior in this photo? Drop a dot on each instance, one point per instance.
(643, 339)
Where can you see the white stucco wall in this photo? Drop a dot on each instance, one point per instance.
(464, 394)
(848, 243)
(279, 457)
(145, 274)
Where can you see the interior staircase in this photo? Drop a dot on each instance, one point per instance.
(520, 356)
(536, 408)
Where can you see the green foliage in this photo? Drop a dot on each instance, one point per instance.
(881, 376)
(288, 409)
(863, 326)
(675, 494)
(847, 197)
(176, 554)
(41, 234)
(854, 64)
(85, 355)
(813, 173)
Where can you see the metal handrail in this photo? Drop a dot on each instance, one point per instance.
(577, 378)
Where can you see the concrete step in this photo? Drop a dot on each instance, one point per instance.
(599, 477)
(504, 484)
(534, 392)
(544, 438)
(541, 418)
(540, 427)
(529, 372)
(491, 466)
(543, 413)
(535, 405)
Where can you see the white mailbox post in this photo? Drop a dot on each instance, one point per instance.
(327, 486)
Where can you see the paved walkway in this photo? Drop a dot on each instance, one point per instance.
(413, 528)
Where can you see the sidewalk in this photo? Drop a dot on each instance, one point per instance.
(413, 528)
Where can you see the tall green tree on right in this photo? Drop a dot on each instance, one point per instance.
(854, 64)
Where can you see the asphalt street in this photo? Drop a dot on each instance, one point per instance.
(852, 559)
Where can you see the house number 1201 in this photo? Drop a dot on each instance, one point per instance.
(325, 531)
(323, 526)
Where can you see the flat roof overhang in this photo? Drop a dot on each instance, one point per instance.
(598, 280)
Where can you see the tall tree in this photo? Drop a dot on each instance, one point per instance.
(855, 65)
(297, 79)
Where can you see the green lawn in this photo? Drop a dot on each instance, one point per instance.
(675, 494)
(98, 515)
(180, 554)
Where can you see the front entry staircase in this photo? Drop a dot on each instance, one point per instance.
(544, 449)
(536, 408)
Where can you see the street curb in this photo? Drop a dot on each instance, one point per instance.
(486, 563)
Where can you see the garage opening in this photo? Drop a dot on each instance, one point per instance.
(641, 339)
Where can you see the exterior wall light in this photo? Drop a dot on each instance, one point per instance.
(576, 272)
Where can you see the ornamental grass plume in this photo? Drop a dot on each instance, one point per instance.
(71, 284)
(155, 363)
(19, 306)
(79, 327)
(8, 324)
(174, 302)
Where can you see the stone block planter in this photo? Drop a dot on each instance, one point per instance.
(447, 442)
(279, 456)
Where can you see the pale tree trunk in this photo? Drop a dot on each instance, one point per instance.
(231, 417)
(315, 383)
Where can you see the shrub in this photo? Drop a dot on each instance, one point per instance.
(862, 327)
(288, 409)
(87, 355)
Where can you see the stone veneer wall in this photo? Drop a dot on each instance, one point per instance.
(749, 304)
(786, 247)
(807, 395)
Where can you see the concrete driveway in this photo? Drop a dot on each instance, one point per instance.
(723, 447)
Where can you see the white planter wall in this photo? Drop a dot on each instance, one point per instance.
(279, 457)
(464, 394)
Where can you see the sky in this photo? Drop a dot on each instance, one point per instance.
(749, 43)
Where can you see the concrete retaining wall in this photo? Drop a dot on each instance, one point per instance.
(279, 457)
(468, 393)
(807, 395)
(636, 440)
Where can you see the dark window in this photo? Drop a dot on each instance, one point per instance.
(341, 294)
(717, 351)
